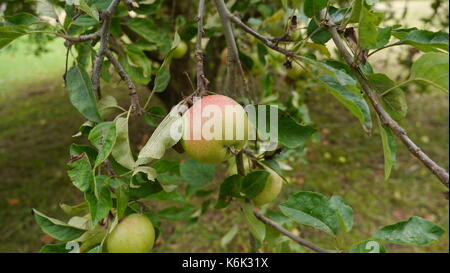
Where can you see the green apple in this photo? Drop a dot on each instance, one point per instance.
(180, 50)
(271, 189)
(134, 234)
(213, 128)
(295, 72)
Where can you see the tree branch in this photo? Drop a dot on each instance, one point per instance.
(268, 41)
(135, 106)
(104, 36)
(437, 170)
(233, 53)
(287, 233)
(202, 81)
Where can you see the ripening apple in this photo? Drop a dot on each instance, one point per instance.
(180, 50)
(134, 234)
(213, 128)
(271, 189)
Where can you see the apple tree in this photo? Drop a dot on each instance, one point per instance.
(232, 49)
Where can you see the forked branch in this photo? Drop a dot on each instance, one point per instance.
(385, 118)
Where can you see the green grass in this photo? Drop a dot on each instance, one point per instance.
(20, 67)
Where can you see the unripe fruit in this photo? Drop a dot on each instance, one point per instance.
(180, 50)
(212, 127)
(271, 189)
(134, 234)
(295, 72)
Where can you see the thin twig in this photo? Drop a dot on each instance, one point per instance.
(135, 106)
(386, 119)
(287, 233)
(265, 40)
(202, 81)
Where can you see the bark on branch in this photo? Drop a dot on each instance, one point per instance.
(202, 81)
(233, 61)
(135, 106)
(385, 118)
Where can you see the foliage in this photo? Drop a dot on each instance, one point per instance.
(116, 181)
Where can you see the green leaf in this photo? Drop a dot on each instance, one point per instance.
(230, 187)
(106, 106)
(122, 151)
(432, 67)
(137, 57)
(80, 172)
(291, 134)
(162, 79)
(356, 11)
(195, 173)
(56, 228)
(77, 149)
(172, 196)
(148, 171)
(122, 201)
(75, 209)
(45, 8)
(81, 93)
(100, 201)
(368, 246)
(226, 239)
(389, 150)
(155, 115)
(414, 231)
(55, 248)
(162, 138)
(88, 10)
(367, 28)
(312, 209)
(177, 213)
(425, 40)
(149, 31)
(145, 190)
(21, 19)
(319, 35)
(344, 213)
(257, 228)
(383, 37)
(393, 102)
(312, 8)
(9, 34)
(103, 136)
(354, 103)
(85, 21)
(254, 183)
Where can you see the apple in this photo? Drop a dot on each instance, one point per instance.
(295, 72)
(271, 189)
(180, 50)
(213, 127)
(134, 234)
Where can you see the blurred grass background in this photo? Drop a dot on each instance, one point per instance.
(37, 121)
